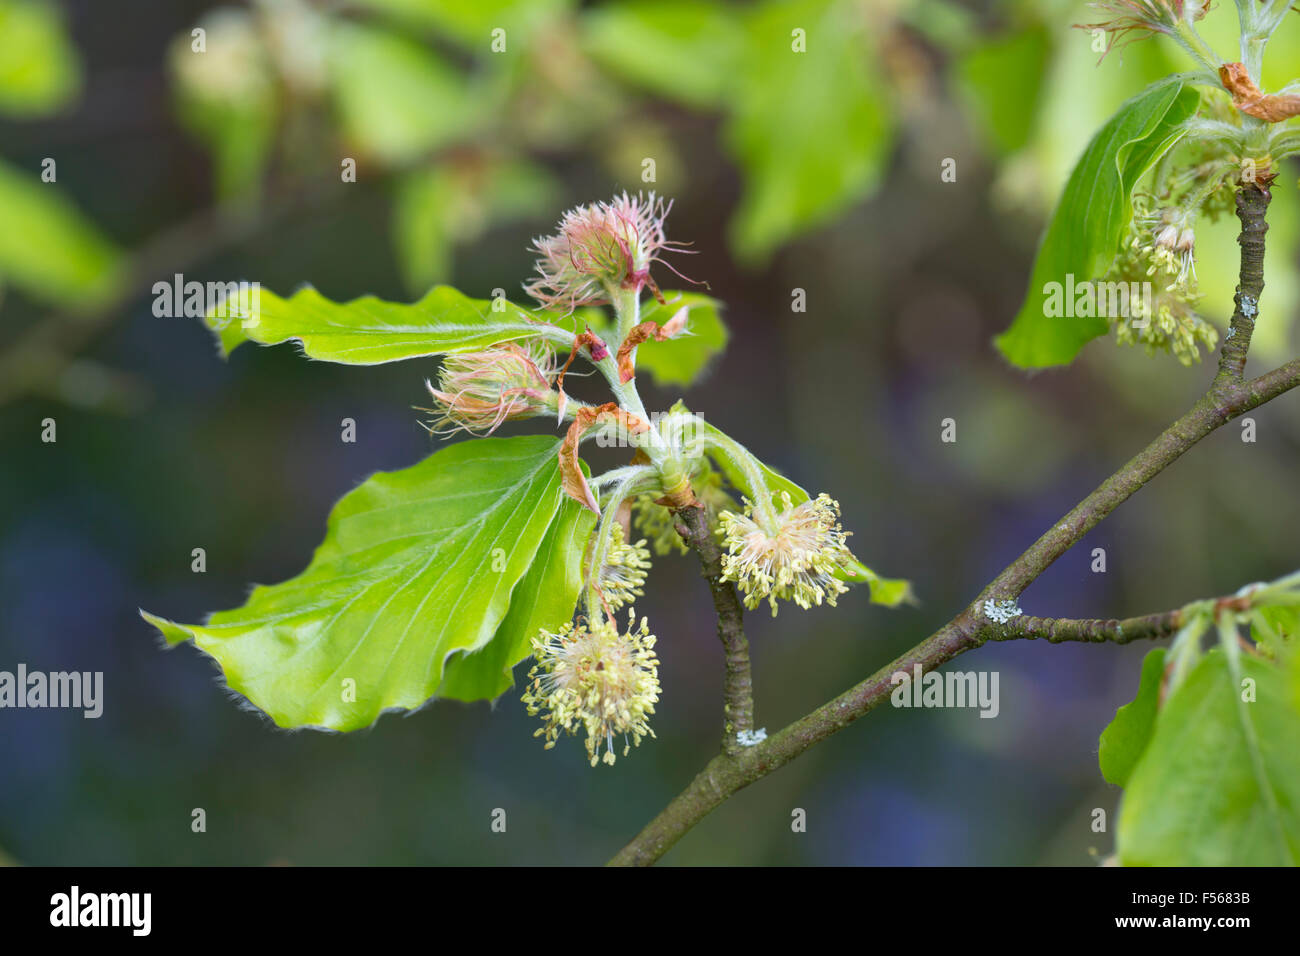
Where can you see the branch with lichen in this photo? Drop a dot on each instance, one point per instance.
(738, 685)
(1252, 209)
(995, 615)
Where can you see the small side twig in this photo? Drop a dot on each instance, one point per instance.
(738, 696)
(1057, 630)
(1252, 208)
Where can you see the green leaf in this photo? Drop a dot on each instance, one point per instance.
(1276, 629)
(424, 226)
(684, 359)
(440, 207)
(1126, 737)
(1219, 784)
(417, 565)
(369, 331)
(684, 50)
(810, 130)
(1090, 222)
(471, 22)
(39, 72)
(544, 599)
(48, 249)
(950, 27)
(890, 592)
(1002, 79)
(227, 95)
(396, 99)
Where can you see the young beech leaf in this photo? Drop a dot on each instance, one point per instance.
(889, 592)
(1126, 737)
(1219, 783)
(369, 331)
(417, 565)
(544, 599)
(1089, 224)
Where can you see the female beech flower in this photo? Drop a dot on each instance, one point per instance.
(594, 677)
(792, 554)
(623, 573)
(1150, 16)
(598, 250)
(477, 391)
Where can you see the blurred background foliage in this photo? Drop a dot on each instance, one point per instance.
(472, 124)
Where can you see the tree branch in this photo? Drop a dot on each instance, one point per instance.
(738, 688)
(1227, 398)
(1252, 208)
(1057, 630)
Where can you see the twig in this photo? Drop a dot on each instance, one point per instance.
(1252, 208)
(738, 687)
(1055, 630)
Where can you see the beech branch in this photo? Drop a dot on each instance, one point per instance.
(1252, 208)
(1228, 397)
(738, 687)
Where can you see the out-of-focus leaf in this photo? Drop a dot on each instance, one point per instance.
(1002, 79)
(48, 249)
(811, 131)
(417, 565)
(517, 189)
(370, 331)
(39, 72)
(942, 22)
(1090, 222)
(225, 95)
(1126, 737)
(441, 207)
(397, 100)
(1219, 784)
(423, 226)
(471, 22)
(685, 50)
